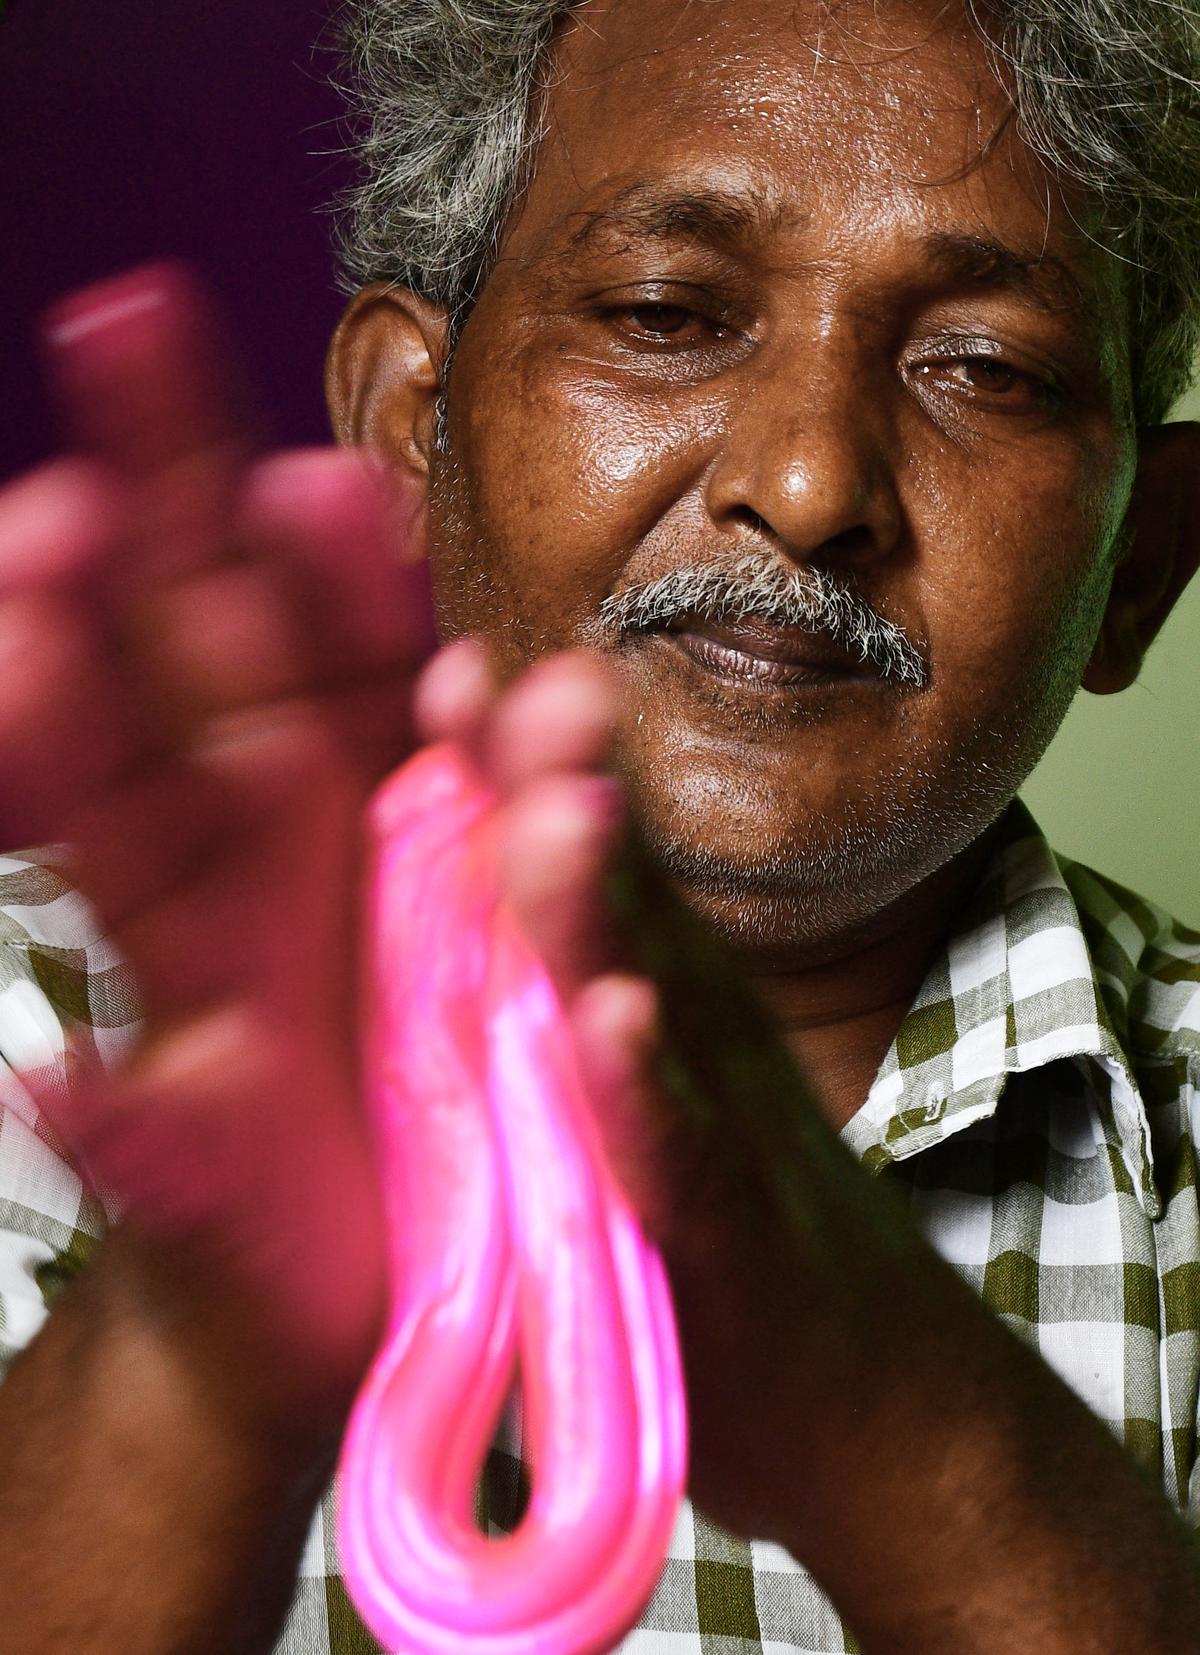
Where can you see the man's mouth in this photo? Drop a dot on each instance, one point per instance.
(755, 652)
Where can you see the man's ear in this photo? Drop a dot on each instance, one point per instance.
(1161, 555)
(383, 375)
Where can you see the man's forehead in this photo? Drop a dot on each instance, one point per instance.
(623, 47)
(744, 120)
(766, 98)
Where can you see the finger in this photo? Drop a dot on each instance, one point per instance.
(561, 715)
(141, 370)
(215, 643)
(66, 729)
(224, 1142)
(65, 724)
(166, 823)
(249, 918)
(181, 1139)
(56, 524)
(318, 600)
(555, 840)
(139, 363)
(335, 533)
(455, 696)
(156, 1163)
(371, 724)
(147, 836)
(615, 1025)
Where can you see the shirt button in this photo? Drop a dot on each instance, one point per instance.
(935, 1103)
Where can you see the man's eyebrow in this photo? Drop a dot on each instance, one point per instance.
(1047, 281)
(649, 213)
(723, 218)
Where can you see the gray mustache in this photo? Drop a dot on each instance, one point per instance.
(810, 600)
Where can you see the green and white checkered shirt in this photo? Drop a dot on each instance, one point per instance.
(1041, 1103)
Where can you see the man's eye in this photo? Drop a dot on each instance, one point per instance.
(984, 373)
(991, 378)
(661, 323)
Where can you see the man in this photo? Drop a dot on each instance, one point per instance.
(799, 384)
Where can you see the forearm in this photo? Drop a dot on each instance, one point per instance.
(948, 1491)
(139, 1515)
(851, 1398)
(982, 1507)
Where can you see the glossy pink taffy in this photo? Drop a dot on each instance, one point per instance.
(512, 1247)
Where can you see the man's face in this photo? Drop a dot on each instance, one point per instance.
(768, 318)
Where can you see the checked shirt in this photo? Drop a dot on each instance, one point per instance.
(1040, 1104)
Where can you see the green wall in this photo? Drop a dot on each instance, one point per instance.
(1119, 787)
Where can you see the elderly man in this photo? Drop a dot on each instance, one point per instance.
(807, 365)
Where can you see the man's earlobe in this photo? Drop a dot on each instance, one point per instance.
(383, 374)
(1161, 555)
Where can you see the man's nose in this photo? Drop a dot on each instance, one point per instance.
(807, 461)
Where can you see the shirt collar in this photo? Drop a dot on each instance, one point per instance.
(1014, 991)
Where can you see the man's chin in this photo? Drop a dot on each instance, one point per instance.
(821, 891)
(775, 905)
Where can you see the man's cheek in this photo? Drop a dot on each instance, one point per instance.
(605, 455)
(993, 607)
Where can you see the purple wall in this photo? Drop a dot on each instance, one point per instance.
(130, 129)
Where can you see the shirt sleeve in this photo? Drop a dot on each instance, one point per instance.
(65, 1003)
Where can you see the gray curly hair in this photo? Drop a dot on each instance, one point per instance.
(447, 101)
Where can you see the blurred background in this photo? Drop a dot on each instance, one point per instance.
(201, 128)
(1119, 786)
(207, 130)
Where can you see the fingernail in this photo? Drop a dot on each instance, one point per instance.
(87, 317)
(117, 300)
(568, 810)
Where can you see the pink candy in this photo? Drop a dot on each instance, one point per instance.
(511, 1247)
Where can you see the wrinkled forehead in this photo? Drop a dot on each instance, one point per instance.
(853, 118)
(743, 62)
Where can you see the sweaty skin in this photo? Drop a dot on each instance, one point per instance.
(755, 302)
(809, 381)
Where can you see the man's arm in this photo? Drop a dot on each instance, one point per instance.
(849, 1396)
(206, 665)
(949, 1492)
(205, 669)
(143, 1508)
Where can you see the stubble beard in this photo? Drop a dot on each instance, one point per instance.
(794, 894)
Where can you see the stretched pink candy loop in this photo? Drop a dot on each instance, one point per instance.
(512, 1250)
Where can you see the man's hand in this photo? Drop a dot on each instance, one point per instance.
(849, 1396)
(706, 1120)
(207, 664)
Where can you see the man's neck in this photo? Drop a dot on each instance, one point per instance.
(840, 1013)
